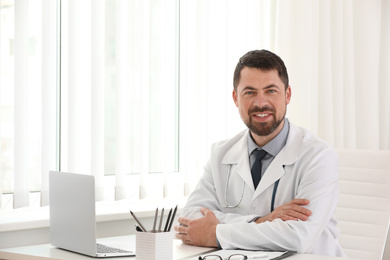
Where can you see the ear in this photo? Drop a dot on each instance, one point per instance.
(288, 95)
(235, 96)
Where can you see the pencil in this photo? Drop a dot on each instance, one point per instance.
(167, 222)
(136, 219)
(154, 222)
(172, 219)
(161, 219)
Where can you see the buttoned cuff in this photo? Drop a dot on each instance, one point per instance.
(254, 219)
(218, 244)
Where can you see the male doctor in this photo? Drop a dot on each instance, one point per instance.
(282, 199)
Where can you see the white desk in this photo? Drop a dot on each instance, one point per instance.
(180, 252)
(47, 251)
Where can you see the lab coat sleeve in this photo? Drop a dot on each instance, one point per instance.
(205, 195)
(316, 181)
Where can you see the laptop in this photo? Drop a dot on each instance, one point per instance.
(73, 216)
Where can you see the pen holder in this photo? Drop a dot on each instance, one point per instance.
(153, 246)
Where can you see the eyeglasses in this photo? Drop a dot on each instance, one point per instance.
(217, 257)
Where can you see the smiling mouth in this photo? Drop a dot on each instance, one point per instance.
(261, 115)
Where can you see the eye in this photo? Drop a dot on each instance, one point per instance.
(249, 93)
(271, 91)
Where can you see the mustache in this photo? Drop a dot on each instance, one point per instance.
(257, 109)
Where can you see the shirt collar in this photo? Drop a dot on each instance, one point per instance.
(274, 146)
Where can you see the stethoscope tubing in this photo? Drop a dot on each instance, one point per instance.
(274, 195)
(243, 190)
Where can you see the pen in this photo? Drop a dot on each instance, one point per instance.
(161, 219)
(138, 228)
(167, 222)
(172, 219)
(139, 223)
(154, 222)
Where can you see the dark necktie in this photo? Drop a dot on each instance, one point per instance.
(256, 167)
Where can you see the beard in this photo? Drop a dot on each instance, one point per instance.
(263, 128)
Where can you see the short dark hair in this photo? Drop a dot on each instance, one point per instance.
(261, 59)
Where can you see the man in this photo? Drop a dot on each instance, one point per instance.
(288, 200)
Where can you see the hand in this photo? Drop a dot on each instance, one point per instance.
(198, 232)
(292, 210)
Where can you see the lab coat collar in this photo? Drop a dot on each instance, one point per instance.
(238, 155)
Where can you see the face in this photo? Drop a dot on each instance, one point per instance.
(262, 101)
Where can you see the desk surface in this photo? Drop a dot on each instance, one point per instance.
(180, 252)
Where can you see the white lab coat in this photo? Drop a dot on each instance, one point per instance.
(307, 168)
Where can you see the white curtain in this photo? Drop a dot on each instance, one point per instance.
(213, 35)
(337, 54)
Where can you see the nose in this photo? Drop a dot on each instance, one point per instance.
(260, 100)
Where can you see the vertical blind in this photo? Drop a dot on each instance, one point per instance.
(135, 92)
(50, 102)
(28, 98)
(118, 94)
(21, 150)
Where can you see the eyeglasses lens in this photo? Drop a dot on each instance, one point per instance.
(237, 257)
(217, 257)
(212, 257)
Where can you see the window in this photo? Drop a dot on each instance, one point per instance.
(118, 89)
(27, 97)
(119, 101)
(101, 99)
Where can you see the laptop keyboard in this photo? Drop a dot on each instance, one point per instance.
(106, 249)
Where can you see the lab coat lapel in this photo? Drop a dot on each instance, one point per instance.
(237, 156)
(273, 173)
(287, 156)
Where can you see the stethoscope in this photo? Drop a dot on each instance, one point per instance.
(243, 189)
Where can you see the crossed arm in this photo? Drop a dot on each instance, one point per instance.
(202, 231)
